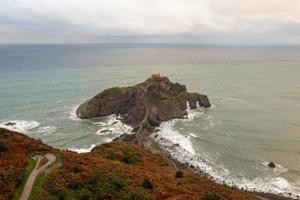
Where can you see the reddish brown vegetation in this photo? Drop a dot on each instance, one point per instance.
(120, 168)
(14, 159)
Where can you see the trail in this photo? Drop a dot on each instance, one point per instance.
(35, 172)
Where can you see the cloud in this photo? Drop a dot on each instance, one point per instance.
(56, 21)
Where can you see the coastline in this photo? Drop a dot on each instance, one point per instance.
(159, 100)
(166, 148)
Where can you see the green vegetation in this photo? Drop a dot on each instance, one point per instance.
(127, 155)
(130, 158)
(37, 187)
(76, 170)
(43, 161)
(211, 197)
(3, 146)
(179, 174)
(97, 186)
(112, 92)
(137, 195)
(147, 184)
(29, 167)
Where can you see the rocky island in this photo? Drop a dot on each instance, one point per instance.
(143, 106)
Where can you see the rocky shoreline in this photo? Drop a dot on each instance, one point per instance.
(182, 160)
(144, 107)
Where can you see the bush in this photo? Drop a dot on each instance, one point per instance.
(3, 146)
(85, 194)
(137, 195)
(127, 156)
(179, 174)
(76, 170)
(106, 186)
(117, 182)
(147, 184)
(64, 193)
(131, 158)
(211, 197)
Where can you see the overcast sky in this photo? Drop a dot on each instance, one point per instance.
(191, 21)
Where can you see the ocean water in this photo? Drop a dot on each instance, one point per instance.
(254, 91)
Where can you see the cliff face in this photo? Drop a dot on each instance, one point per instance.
(143, 106)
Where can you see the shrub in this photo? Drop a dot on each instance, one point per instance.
(147, 184)
(76, 170)
(211, 197)
(51, 197)
(179, 174)
(3, 146)
(117, 182)
(85, 194)
(64, 193)
(126, 156)
(131, 158)
(105, 186)
(137, 195)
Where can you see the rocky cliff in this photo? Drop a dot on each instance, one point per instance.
(143, 106)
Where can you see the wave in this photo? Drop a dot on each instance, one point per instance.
(20, 125)
(200, 164)
(46, 129)
(175, 137)
(180, 148)
(82, 150)
(112, 125)
(72, 114)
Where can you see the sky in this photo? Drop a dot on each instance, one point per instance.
(150, 21)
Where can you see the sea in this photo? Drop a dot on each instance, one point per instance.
(254, 91)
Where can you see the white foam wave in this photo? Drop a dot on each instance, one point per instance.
(175, 137)
(213, 106)
(19, 125)
(193, 135)
(276, 171)
(47, 129)
(82, 150)
(180, 148)
(200, 164)
(72, 114)
(112, 125)
(167, 132)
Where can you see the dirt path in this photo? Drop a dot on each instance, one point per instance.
(35, 172)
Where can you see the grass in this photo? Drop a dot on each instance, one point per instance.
(29, 167)
(211, 197)
(110, 92)
(37, 186)
(138, 195)
(41, 179)
(42, 162)
(97, 186)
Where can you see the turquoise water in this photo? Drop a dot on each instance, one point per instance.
(255, 92)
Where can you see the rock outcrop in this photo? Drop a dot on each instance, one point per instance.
(143, 106)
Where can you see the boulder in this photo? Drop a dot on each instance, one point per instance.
(10, 124)
(272, 165)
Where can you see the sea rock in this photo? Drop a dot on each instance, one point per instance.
(10, 124)
(271, 165)
(143, 106)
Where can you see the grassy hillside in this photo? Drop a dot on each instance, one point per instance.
(111, 171)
